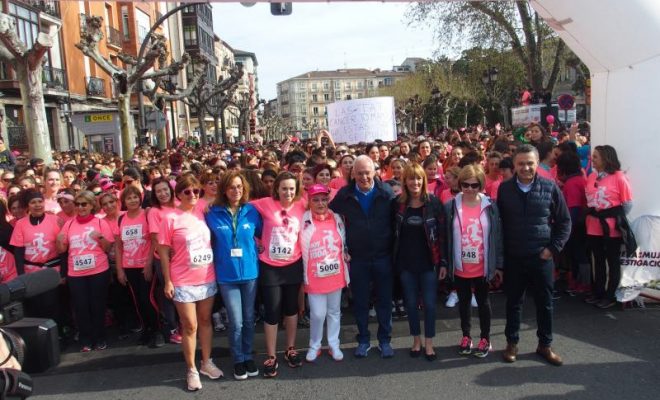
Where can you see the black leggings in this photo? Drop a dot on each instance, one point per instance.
(278, 300)
(463, 288)
(140, 297)
(89, 295)
(606, 265)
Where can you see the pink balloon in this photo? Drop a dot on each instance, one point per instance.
(550, 119)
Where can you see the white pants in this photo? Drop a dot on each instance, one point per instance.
(324, 307)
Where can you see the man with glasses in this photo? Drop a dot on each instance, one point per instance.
(366, 205)
(536, 225)
(7, 159)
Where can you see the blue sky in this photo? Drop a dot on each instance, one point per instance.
(321, 36)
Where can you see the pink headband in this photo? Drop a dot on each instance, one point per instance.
(65, 196)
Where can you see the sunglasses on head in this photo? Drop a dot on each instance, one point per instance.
(188, 192)
(466, 185)
(83, 204)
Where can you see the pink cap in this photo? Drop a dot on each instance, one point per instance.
(317, 189)
(106, 184)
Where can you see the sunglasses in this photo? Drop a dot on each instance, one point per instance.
(188, 192)
(7, 179)
(83, 204)
(466, 185)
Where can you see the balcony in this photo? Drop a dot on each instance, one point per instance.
(115, 38)
(95, 86)
(49, 7)
(55, 78)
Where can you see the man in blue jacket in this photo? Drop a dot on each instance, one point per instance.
(366, 205)
(536, 225)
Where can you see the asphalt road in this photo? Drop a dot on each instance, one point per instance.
(612, 354)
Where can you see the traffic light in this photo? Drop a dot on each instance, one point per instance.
(281, 8)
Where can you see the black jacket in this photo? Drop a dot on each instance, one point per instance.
(368, 237)
(534, 220)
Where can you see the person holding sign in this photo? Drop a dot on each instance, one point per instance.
(322, 241)
(134, 253)
(280, 266)
(87, 240)
(234, 225)
(474, 243)
(419, 235)
(186, 257)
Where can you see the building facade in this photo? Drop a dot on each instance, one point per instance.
(302, 100)
(247, 93)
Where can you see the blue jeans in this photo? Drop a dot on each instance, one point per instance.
(363, 273)
(426, 284)
(239, 301)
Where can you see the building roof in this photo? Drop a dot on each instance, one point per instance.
(241, 53)
(347, 73)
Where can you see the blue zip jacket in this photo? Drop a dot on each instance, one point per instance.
(230, 269)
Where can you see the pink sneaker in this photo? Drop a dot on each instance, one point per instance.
(175, 337)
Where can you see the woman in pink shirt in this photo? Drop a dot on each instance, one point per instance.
(325, 270)
(87, 239)
(609, 199)
(52, 184)
(345, 167)
(186, 257)
(280, 266)
(134, 254)
(65, 200)
(162, 200)
(323, 175)
(209, 182)
(7, 263)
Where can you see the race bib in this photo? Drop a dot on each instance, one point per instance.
(131, 232)
(201, 257)
(281, 246)
(470, 255)
(326, 269)
(84, 262)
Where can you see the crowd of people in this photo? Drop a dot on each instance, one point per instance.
(168, 242)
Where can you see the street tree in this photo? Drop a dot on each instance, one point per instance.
(28, 64)
(499, 25)
(152, 66)
(245, 109)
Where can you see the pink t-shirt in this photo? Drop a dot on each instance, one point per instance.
(280, 231)
(574, 191)
(7, 266)
(86, 257)
(492, 184)
(187, 235)
(64, 217)
(39, 241)
(52, 206)
(544, 173)
(338, 183)
(610, 191)
(446, 196)
(135, 239)
(472, 242)
(325, 262)
(155, 219)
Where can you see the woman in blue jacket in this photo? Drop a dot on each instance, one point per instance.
(234, 224)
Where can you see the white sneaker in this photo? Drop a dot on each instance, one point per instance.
(218, 326)
(312, 354)
(452, 300)
(336, 353)
(211, 370)
(372, 312)
(192, 379)
(474, 301)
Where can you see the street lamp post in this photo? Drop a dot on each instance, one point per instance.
(489, 79)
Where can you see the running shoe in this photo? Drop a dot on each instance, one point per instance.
(270, 367)
(101, 346)
(292, 358)
(157, 340)
(483, 348)
(218, 326)
(386, 350)
(251, 368)
(336, 353)
(372, 312)
(240, 372)
(192, 379)
(312, 355)
(362, 350)
(465, 348)
(86, 349)
(175, 337)
(473, 302)
(452, 300)
(211, 370)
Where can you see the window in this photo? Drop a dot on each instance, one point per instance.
(347, 86)
(360, 85)
(326, 86)
(337, 85)
(326, 97)
(370, 83)
(315, 97)
(387, 81)
(27, 24)
(314, 87)
(315, 111)
(124, 22)
(302, 85)
(190, 35)
(337, 96)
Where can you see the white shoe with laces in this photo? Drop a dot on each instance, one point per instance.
(473, 302)
(336, 353)
(211, 370)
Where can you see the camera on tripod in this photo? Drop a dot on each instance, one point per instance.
(41, 350)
